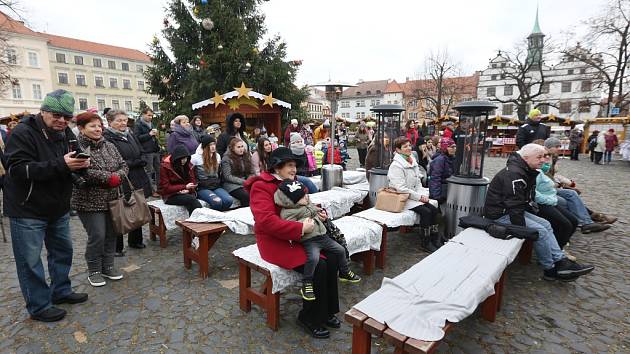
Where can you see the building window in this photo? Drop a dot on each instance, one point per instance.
(493, 77)
(111, 64)
(83, 104)
(37, 91)
(97, 62)
(128, 106)
(113, 82)
(80, 80)
(544, 109)
(78, 60)
(503, 65)
(124, 66)
(368, 92)
(584, 107)
(115, 104)
(16, 91)
(98, 81)
(586, 86)
(566, 86)
(127, 84)
(545, 88)
(378, 92)
(155, 106)
(345, 104)
(508, 90)
(61, 58)
(139, 68)
(100, 103)
(11, 56)
(565, 107)
(63, 78)
(33, 60)
(358, 93)
(491, 91)
(141, 85)
(570, 72)
(583, 71)
(378, 101)
(502, 76)
(494, 65)
(507, 109)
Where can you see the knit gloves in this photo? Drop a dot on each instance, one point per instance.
(113, 181)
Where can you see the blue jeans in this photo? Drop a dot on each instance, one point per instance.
(546, 247)
(312, 188)
(607, 156)
(219, 199)
(28, 236)
(569, 199)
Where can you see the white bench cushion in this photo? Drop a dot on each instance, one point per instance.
(239, 221)
(338, 201)
(172, 213)
(404, 218)
(480, 240)
(281, 278)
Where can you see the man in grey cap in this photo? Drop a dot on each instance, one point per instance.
(38, 187)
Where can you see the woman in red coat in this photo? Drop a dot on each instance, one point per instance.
(278, 243)
(177, 180)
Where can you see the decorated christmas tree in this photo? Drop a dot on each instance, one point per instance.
(213, 46)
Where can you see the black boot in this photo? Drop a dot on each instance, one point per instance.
(435, 238)
(427, 245)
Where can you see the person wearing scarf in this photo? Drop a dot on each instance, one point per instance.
(298, 149)
(404, 175)
(182, 135)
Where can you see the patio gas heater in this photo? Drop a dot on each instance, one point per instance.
(467, 187)
(332, 175)
(388, 120)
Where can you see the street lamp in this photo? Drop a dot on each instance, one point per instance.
(388, 118)
(332, 175)
(467, 187)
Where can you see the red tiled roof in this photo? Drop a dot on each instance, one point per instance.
(10, 25)
(392, 87)
(364, 87)
(467, 85)
(96, 48)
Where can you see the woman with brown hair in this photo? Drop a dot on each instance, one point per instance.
(236, 167)
(260, 157)
(208, 173)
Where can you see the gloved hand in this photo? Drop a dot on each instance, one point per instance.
(114, 180)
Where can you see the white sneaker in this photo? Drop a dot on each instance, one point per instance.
(96, 279)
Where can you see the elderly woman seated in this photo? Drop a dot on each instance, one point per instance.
(404, 175)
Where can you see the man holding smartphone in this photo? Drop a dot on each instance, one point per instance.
(146, 133)
(38, 187)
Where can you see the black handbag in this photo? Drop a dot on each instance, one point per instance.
(333, 232)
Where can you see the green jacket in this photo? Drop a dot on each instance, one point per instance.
(295, 212)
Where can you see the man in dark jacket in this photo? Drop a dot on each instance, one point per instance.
(38, 187)
(148, 137)
(235, 128)
(509, 200)
(532, 130)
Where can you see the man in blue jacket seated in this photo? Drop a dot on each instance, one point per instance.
(509, 200)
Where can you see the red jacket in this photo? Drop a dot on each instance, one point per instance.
(277, 239)
(170, 181)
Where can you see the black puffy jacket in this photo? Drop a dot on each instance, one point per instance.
(511, 191)
(38, 183)
(531, 131)
(131, 152)
(230, 131)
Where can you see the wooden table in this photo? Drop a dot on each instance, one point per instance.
(208, 234)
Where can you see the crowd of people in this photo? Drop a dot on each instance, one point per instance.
(51, 170)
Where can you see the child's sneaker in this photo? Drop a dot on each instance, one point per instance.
(307, 291)
(112, 273)
(350, 277)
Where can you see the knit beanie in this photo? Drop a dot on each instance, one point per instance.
(294, 121)
(552, 142)
(60, 102)
(297, 149)
(294, 190)
(207, 140)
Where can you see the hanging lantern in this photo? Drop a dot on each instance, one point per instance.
(207, 23)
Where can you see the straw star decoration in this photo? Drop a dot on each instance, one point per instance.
(217, 99)
(243, 91)
(269, 99)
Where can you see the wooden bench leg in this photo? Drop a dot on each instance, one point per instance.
(500, 288)
(162, 231)
(525, 254)
(152, 224)
(244, 283)
(186, 241)
(380, 255)
(361, 341)
(490, 306)
(272, 305)
(368, 262)
(202, 256)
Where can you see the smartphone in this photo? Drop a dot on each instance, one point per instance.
(81, 155)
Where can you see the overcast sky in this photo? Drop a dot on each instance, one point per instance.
(348, 39)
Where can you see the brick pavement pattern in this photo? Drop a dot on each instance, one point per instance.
(161, 307)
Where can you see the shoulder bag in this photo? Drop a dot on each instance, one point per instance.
(131, 214)
(389, 199)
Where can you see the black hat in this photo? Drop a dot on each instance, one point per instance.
(282, 155)
(206, 140)
(293, 189)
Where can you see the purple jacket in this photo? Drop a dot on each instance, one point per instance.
(181, 136)
(441, 168)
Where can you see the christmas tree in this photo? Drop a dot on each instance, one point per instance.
(215, 47)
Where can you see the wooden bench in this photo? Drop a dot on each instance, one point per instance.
(269, 300)
(207, 234)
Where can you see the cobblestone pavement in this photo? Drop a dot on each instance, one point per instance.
(161, 307)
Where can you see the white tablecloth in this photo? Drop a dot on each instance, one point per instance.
(482, 241)
(338, 201)
(239, 221)
(349, 178)
(172, 213)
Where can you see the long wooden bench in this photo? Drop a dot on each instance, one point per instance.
(474, 243)
(268, 298)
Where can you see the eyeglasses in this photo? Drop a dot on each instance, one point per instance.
(547, 155)
(59, 116)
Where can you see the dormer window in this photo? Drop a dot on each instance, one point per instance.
(368, 92)
(358, 93)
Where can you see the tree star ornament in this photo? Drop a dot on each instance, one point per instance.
(217, 99)
(268, 99)
(243, 91)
